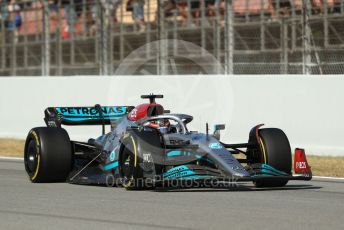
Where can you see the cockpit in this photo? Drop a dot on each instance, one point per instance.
(168, 123)
(153, 115)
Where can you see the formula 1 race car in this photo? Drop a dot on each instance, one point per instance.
(149, 147)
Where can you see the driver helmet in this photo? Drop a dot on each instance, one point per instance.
(164, 126)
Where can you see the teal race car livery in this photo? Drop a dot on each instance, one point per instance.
(149, 147)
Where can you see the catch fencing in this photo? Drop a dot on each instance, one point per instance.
(95, 37)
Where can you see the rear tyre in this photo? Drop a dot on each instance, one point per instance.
(276, 152)
(48, 155)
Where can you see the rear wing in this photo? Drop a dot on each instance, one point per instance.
(96, 115)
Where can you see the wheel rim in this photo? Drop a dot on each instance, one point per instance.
(31, 156)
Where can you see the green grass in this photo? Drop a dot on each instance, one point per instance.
(321, 166)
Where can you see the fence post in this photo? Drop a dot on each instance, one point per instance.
(218, 40)
(72, 12)
(46, 41)
(325, 17)
(189, 13)
(59, 59)
(121, 36)
(293, 29)
(111, 15)
(306, 33)
(84, 25)
(25, 51)
(104, 38)
(284, 46)
(262, 26)
(203, 24)
(148, 30)
(13, 54)
(229, 37)
(162, 49)
(3, 45)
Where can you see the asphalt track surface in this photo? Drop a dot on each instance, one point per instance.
(317, 204)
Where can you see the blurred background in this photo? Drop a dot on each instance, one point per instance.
(92, 37)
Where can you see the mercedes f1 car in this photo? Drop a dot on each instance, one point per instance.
(149, 147)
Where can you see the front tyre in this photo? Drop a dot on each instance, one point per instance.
(140, 160)
(48, 155)
(276, 152)
(130, 171)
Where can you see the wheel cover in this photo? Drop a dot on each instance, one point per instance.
(31, 157)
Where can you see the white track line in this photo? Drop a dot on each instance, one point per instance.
(12, 158)
(327, 177)
(316, 177)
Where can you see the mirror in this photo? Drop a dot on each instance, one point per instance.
(220, 127)
(217, 129)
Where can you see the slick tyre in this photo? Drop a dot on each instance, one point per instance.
(276, 152)
(129, 169)
(139, 156)
(48, 155)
